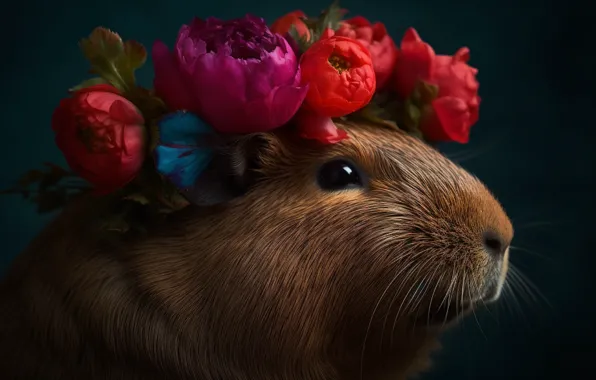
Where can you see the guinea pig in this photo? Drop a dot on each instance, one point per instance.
(304, 262)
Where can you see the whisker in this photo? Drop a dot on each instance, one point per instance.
(512, 299)
(430, 305)
(370, 323)
(520, 249)
(474, 312)
(398, 290)
(450, 294)
(519, 294)
(398, 313)
(530, 287)
(467, 155)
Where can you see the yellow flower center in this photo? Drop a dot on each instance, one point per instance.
(339, 63)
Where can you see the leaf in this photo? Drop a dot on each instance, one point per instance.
(173, 201)
(151, 106)
(424, 93)
(88, 83)
(10, 190)
(412, 113)
(49, 201)
(30, 177)
(115, 223)
(153, 136)
(376, 114)
(135, 53)
(113, 59)
(302, 42)
(329, 18)
(51, 178)
(137, 197)
(57, 168)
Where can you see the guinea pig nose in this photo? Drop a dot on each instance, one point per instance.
(494, 243)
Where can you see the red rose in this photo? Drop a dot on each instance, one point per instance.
(282, 25)
(453, 112)
(101, 135)
(375, 38)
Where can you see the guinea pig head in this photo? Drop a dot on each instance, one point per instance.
(321, 247)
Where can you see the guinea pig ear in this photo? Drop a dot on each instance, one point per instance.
(233, 169)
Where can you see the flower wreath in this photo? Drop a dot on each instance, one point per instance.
(239, 77)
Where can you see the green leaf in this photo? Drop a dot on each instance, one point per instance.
(424, 93)
(135, 53)
(409, 116)
(302, 41)
(115, 223)
(48, 201)
(329, 18)
(88, 83)
(170, 197)
(151, 106)
(113, 59)
(30, 177)
(52, 177)
(137, 197)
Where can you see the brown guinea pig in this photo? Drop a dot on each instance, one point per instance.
(305, 262)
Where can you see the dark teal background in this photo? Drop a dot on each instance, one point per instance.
(533, 145)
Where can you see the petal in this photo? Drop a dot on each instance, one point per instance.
(168, 82)
(182, 129)
(125, 112)
(274, 111)
(379, 31)
(358, 21)
(62, 116)
(99, 88)
(327, 33)
(182, 166)
(414, 62)
(286, 102)
(314, 126)
(182, 153)
(454, 118)
(220, 84)
(278, 68)
(462, 55)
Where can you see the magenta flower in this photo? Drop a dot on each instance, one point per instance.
(237, 75)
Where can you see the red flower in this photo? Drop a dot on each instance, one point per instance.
(101, 135)
(455, 109)
(282, 25)
(340, 76)
(380, 45)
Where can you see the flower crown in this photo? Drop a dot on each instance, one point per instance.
(236, 77)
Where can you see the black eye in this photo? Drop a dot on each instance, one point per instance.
(339, 175)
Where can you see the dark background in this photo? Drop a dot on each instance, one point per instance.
(533, 145)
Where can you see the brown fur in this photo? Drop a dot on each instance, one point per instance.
(286, 282)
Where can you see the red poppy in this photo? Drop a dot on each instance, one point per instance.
(283, 24)
(380, 45)
(340, 75)
(450, 116)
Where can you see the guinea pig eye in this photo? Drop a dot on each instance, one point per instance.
(339, 175)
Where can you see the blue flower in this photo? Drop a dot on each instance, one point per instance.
(182, 154)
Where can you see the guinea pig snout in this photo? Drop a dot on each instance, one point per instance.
(496, 246)
(495, 243)
(495, 235)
